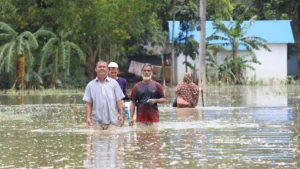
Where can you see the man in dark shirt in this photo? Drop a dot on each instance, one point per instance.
(113, 70)
(145, 95)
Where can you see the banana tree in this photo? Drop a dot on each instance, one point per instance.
(224, 71)
(234, 36)
(57, 52)
(16, 48)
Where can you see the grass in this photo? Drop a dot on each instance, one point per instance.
(41, 92)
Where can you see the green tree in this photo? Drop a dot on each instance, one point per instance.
(7, 11)
(112, 30)
(218, 71)
(219, 9)
(234, 36)
(281, 9)
(187, 14)
(57, 53)
(15, 45)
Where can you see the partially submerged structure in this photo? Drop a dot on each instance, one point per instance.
(273, 68)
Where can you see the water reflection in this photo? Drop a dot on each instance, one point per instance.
(187, 114)
(144, 149)
(104, 151)
(249, 96)
(241, 127)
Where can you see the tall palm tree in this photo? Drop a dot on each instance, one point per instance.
(57, 52)
(234, 36)
(16, 48)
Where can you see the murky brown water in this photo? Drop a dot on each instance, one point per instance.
(239, 127)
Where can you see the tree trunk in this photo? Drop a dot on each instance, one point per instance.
(185, 59)
(296, 20)
(236, 69)
(92, 54)
(21, 71)
(173, 80)
(202, 44)
(55, 69)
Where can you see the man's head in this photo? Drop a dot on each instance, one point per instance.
(147, 72)
(101, 69)
(113, 70)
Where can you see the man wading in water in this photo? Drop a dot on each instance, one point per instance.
(104, 104)
(145, 95)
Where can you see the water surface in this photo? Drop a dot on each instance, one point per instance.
(239, 127)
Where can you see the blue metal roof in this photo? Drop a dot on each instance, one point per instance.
(273, 31)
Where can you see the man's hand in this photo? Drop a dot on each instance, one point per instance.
(120, 119)
(151, 101)
(131, 122)
(88, 123)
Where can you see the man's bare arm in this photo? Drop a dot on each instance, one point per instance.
(120, 111)
(160, 101)
(132, 108)
(120, 107)
(88, 107)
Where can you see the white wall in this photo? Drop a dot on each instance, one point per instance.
(181, 67)
(273, 68)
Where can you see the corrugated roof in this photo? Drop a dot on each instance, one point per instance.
(273, 31)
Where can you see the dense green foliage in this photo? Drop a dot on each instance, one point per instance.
(110, 30)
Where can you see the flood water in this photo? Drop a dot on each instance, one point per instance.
(239, 127)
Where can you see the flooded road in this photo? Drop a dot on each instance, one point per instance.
(239, 127)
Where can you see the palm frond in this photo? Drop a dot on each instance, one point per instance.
(249, 23)
(3, 50)
(5, 36)
(10, 55)
(68, 56)
(256, 43)
(65, 35)
(78, 51)
(212, 59)
(220, 27)
(62, 55)
(19, 45)
(249, 67)
(28, 54)
(216, 48)
(3, 63)
(56, 64)
(49, 46)
(48, 50)
(44, 33)
(253, 38)
(31, 40)
(8, 29)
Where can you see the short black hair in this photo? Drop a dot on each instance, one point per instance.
(99, 61)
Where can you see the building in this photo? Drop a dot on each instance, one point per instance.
(273, 68)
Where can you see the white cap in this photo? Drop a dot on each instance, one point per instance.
(113, 64)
